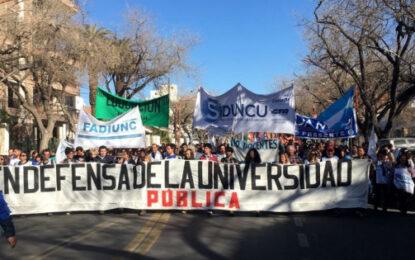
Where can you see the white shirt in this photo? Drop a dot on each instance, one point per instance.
(157, 156)
(28, 163)
(334, 158)
(14, 162)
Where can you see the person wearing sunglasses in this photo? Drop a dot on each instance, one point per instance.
(24, 160)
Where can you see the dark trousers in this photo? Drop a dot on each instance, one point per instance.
(382, 196)
(403, 200)
(8, 227)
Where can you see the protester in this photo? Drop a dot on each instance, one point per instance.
(6, 222)
(384, 178)
(402, 172)
(46, 157)
(79, 154)
(170, 152)
(354, 151)
(24, 160)
(38, 160)
(155, 155)
(207, 155)
(69, 156)
(103, 156)
(229, 156)
(198, 151)
(221, 152)
(188, 154)
(361, 153)
(312, 157)
(2, 160)
(252, 157)
(330, 155)
(33, 155)
(343, 154)
(125, 158)
(88, 156)
(293, 157)
(284, 158)
(183, 149)
(15, 157)
(144, 156)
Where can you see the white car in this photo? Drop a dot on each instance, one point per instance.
(402, 142)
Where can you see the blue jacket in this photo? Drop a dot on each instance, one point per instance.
(4, 209)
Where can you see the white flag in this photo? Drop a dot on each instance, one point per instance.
(371, 150)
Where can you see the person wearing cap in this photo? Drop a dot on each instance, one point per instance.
(229, 156)
(207, 154)
(6, 222)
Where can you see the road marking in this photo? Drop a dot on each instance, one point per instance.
(75, 238)
(302, 240)
(154, 235)
(298, 222)
(142, 233)
(149, 234)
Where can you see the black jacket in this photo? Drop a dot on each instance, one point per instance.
(107, 159)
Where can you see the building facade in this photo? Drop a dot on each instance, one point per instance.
(17, 127)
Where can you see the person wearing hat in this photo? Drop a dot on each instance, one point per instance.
(207, 154)
(6, 222)
(229, 156)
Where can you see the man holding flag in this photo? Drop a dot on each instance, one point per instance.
(6, 222)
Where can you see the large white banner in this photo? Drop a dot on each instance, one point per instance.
(124, 131)
(185, 185)
(240, 110)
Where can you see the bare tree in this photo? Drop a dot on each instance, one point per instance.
(39, 61)
(144, 57)
(368, 44)
(182, 118)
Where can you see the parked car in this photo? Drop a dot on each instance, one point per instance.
(398, 142)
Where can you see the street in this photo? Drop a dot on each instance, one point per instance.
(195, 235)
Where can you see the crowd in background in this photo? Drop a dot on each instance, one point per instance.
(388, 161)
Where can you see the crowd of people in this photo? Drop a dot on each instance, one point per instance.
(387, 163)
(291, 153)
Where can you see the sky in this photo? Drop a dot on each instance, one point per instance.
(253, 42)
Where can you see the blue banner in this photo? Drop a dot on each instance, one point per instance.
(337, 121)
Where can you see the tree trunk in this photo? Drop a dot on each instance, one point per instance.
(93, 85)
(119, 87)
(44, 140)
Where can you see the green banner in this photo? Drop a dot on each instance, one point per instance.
(154, 112)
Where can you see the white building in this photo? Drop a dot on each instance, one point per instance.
(165, 90)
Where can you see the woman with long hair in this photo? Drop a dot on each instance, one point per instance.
(252, 157)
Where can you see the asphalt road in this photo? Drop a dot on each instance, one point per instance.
(195, 235)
